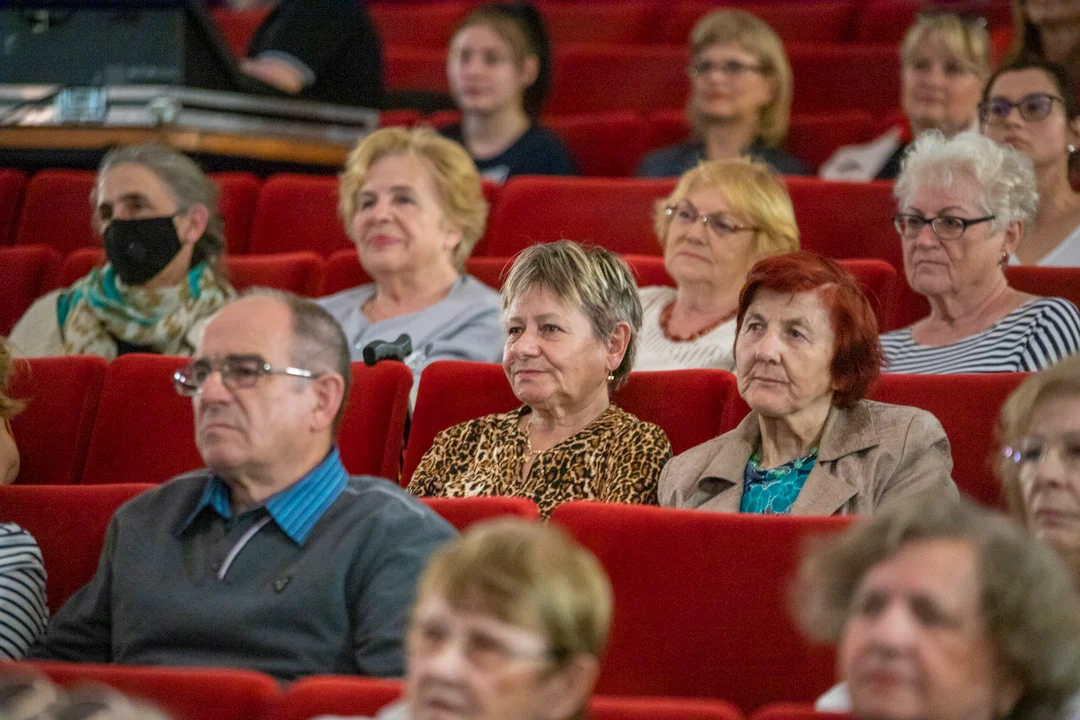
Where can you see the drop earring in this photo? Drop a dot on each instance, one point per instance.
(1072, 148)
(611, 377)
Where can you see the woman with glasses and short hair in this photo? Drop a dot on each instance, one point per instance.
(1028, 105)
(722, 217)
(944, 60)
(740, 99)
(964, 204)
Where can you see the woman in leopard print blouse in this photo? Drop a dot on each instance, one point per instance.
(572, 317)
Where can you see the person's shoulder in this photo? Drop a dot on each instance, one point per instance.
(1058, 306)
(671, 161)
(493, 424)
(888, 418)
(655, 293)
(626, 421)
(542, 138)
(451, 132)
(475, 291)
(15, 534)
(378, 500)
(780, 160)
(341, 302)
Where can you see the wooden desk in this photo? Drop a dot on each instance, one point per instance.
(273, 149)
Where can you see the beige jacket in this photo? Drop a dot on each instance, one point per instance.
(870, 455)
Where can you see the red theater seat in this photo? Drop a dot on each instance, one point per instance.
(813, 138)
(794, 711)
(343, 271)
(886, 21)
(27, 270)
(604, 145)
(611, 78)
(620, 23)
(826, 78)
(236, 205)
(877, 277)
(238, 26)
(419, 25)
(364, 697)
(373, 428)
(56, 211)
(415, 68)
(615, 213)
(12, 187)
(53, 431)
(687, 404)
(702, 602)
(297, 272)
(405, 118)
(822, 22)
(298, 213)
(184, 694)
(144, 432)
(968, 424)
(69, 523)
(846, 219)
(466, 511)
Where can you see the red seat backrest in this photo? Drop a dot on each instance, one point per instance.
(12, 188)
(795, 711)
(69, 523)
(603, 145)
(826, 74)
(877, 278)
(183, 693)
(144, 432)
(364, 697)
(405, 118)
(236, 205)
(28, 270)
(613, 78)
(415, 68)
(824, 22)
(298, 212)
(688, 404)
(53, 431)
(238, 26)
(846, 219)
(373, 428)
(969, 424)
(615, 213)
(621, 23)
(463, 512)
(886, 21)
(57, 212)
(813, 138)
(297, 272)
(701, 602)
(424, 25)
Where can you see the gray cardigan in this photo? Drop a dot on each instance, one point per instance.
(870, 455)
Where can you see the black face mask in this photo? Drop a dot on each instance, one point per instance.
(140, 249)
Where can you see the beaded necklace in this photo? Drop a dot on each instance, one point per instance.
(665, 320)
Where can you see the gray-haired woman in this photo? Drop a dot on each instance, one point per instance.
(964, 203)
(157, 214)
(572, 318)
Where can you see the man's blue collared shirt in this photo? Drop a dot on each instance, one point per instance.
(295, 509)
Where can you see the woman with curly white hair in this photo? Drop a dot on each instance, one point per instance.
(964, 203)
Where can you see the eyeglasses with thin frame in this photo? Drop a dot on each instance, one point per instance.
(946, 227)
(735, 68)
(1032, 450)
(482, 650)
(1034, 107)
(687, 214)
(238, 372)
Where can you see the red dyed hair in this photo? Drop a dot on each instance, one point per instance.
(857, 355)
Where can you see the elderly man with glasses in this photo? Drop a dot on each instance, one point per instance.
(271, 558)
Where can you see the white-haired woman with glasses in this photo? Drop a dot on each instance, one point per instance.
(722, 217)
(964, 204)
(1030, 105)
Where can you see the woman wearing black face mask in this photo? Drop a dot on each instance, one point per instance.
(157, 215)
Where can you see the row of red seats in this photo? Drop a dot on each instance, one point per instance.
(290, 213)
(430, 25)
(82, 414)
(701, 601)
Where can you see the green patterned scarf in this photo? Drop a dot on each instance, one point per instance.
(99, 309)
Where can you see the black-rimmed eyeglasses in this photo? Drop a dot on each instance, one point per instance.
(946, 227)
(238, 372)
(1033, 108)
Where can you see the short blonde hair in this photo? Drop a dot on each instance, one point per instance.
(456, 180)
(754, 193)
(530, 575)
(756, 37)
(968, 41)
(1026, 596)
(1015, 419)
(582, 276)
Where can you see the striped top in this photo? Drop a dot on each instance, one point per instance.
(1032, 337)
(23, 611)
(656, 352)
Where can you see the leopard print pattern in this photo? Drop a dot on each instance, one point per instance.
(616, 458)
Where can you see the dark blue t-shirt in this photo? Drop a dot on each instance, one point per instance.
(537, 152)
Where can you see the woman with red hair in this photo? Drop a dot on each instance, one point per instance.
(806, 353)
